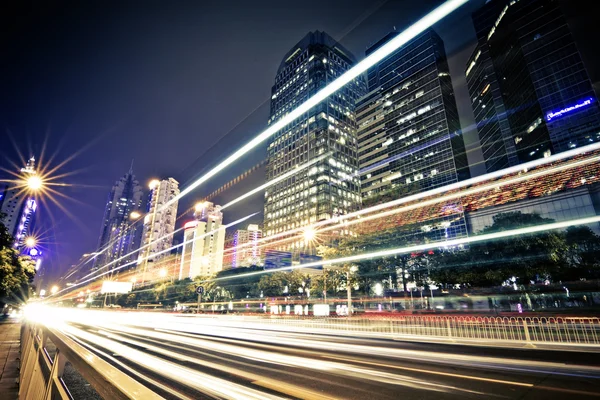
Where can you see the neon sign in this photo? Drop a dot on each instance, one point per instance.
(559, 113)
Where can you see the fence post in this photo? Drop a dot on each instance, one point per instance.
(527, 337)
(448, 328)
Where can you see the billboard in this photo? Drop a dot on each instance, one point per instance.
(277, 259)
(116, 287)
(309, 258)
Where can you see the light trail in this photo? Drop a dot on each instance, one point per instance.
(276, 180)
(422, 247)
(401, 39)
(153, 255)
(344, 219)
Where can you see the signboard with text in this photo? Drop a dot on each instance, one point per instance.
(277, 259)
(312, 259)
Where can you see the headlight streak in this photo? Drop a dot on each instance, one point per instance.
(269, 358)
(184, 331)
(153, 255)
(422, 247)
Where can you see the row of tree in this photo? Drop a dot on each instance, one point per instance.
(16, 271)
(546, 257)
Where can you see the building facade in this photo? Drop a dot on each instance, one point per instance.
(204, 242)
(409, 135)
(331, 186)
(246, 247)
(530, 91)
(159, 221)
(19, 206)
(120, 234)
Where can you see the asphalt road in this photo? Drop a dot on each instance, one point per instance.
(194, 357)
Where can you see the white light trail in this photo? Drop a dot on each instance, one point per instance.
(153, 255)
(418, 197)
(401, 39)
(427, 246)
(276, 180)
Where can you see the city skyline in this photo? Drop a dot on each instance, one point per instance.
(382, 26)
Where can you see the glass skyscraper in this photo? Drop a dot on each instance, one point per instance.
(330, 187)
(120, 234)
(409, 133)
(530, 92)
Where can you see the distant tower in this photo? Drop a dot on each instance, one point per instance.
(19, 206)
(246, 250)
(204, 242)
(159, 222)
(118, 237)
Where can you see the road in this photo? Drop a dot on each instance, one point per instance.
(195, 357)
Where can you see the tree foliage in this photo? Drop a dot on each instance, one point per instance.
(16, 271)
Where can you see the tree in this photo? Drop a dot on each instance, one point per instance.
(16, 271)
(274, 283)
(529, 258)
(238, 284)
(583, 253)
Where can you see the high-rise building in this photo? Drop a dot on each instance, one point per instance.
(204, 242)
(409, 136)
(121, 234)
(159, 222)
(246, 249)
(530, 92)
(18, 205)
(331, 186)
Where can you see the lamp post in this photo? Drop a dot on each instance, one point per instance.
(352, 269)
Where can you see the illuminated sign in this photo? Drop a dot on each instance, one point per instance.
(559, 113)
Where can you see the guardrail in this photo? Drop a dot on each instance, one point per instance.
(582, 331)
(41, 375)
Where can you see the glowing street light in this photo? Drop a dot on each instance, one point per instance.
(30, 242)
(54, 289)
(153, 184)
(133, 280)
(378, 289)
(135, 215)
(34, 182)
(163, 272)
(309, 234)
(199, 206)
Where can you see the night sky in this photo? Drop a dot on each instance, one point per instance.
(174, 86)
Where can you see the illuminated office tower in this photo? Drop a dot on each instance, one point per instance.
(246, 249)
(204, 242)
(328, 130)
(529, 89)
(159, 222)
(120, 235)
(19, 206)
(409, 133)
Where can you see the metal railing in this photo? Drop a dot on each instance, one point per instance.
(566, 330)
(41, 375)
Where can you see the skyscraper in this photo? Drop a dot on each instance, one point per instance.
(246, 249)
(204, 242)
(120, 234)
(159, 222)
(19, 206)
(409, 136)
(530, 92)
(331, 186)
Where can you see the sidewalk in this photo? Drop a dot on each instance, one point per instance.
(10, 331)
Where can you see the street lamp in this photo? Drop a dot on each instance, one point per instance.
(309, 234)
(34, 182)
(163, 273)
(30, 242)
(54, 289)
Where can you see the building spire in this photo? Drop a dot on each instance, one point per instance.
(131, 167)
